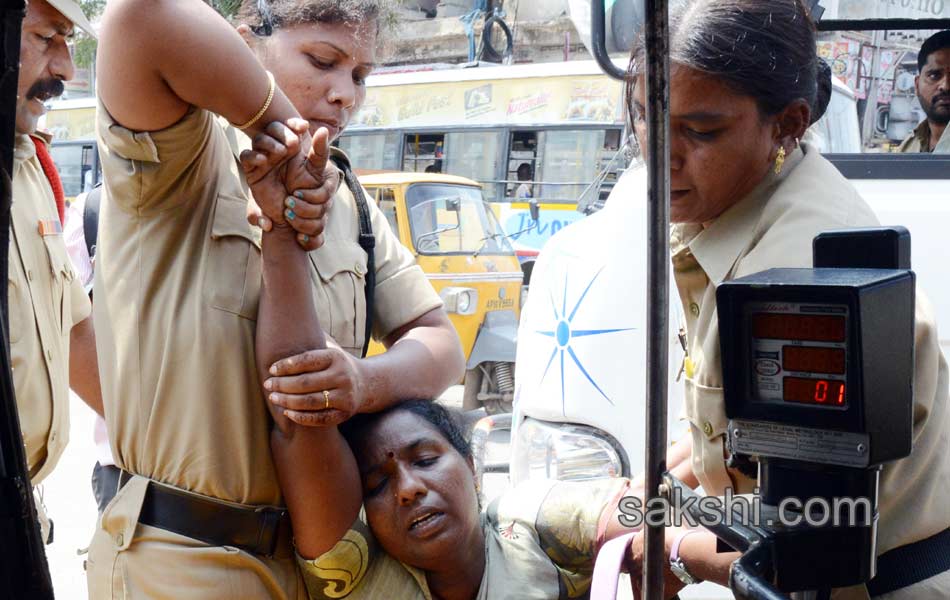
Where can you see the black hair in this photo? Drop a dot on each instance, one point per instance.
(274, 14)
(525, 172)
(446, 421)
(937, 41)
(764, 49)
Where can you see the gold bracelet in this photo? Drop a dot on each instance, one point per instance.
(260, 113)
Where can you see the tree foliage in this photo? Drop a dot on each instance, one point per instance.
(84, 47)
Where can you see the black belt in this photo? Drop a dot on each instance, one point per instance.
(259, 530)
(904, 566)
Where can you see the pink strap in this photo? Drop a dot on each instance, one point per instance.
(675, 550)
(607, 568)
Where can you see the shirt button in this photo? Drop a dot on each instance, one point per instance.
(358, 269)
(694, 309)
(119, 539)
(49, 355)
(707, 428)
(29, 274)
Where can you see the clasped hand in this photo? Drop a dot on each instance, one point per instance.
(292, 180)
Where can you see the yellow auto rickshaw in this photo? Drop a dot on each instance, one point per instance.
(457, 240)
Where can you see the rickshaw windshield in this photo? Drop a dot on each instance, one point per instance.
(453, 219)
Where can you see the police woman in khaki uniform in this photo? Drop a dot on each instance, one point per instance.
(747, 196)
(178, 279)
(48, 309)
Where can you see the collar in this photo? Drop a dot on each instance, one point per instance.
(717, 247)
(922, 134)
(23, 148)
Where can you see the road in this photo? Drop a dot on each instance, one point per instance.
(68, 498)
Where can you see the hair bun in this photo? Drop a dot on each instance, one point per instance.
(825, 86)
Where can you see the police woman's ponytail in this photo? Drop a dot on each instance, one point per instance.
(825, 87)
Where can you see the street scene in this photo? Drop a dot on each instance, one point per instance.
(476, 299)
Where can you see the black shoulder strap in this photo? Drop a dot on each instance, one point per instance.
(90, 219)
(367, 240)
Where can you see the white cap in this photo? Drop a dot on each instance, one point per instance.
(70, 9)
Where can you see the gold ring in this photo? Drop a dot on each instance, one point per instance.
(326, 396)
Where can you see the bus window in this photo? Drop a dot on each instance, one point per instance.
(476, 155)
(75, 163)
(523, 150)
(378, 151)
(423, 152)
(566, 165)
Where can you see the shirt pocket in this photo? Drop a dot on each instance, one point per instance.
(20, 315)
(706, 411)
(62, 274)
(233, 270)
(341, 291)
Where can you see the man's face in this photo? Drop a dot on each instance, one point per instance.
(45, 62)
(933, 87)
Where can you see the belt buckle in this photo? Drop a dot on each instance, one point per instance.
(269, 519)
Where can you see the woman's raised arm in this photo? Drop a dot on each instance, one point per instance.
(156, 58)
(317, 471)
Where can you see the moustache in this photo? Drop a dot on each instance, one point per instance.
(941, 98)
(44, 89)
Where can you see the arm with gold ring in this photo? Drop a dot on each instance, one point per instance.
(315, 467)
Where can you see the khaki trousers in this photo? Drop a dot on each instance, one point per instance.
(128, 561)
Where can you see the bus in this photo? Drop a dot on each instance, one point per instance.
(486, 123)
(560, 125)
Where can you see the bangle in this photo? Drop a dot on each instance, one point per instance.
(260, 113)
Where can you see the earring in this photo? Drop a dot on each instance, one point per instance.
(780, 160)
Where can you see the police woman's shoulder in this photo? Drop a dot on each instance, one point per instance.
(817, 191)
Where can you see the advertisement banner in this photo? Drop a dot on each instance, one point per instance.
(592, 99)
(886, 9)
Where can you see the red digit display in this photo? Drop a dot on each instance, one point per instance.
(811, 328)
(821, 392)
(810, 359)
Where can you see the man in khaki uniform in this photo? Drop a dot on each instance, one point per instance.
(933, 90)
(774, 227)
(48, 306)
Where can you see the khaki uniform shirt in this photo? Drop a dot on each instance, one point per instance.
(46, 300)
(541, 539)
(919, 141)
(774, 227)
(177, 284)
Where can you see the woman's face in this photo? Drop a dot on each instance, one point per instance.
(322, 68)
(720, 145)
(419, 492)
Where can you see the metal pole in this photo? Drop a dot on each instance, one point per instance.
(598, 37)
(656, 28)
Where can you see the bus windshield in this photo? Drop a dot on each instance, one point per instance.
(453, 219)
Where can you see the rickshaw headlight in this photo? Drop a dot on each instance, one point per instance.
(565, 452)
(460, 300)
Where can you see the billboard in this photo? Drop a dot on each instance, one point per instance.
(886, 9)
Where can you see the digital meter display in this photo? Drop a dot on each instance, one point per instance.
(811, 359)
(799, 353)
(806, 328)
(822, 392)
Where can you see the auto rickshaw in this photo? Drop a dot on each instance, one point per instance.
(457, 240)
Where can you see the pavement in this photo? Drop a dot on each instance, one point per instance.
(67, 494)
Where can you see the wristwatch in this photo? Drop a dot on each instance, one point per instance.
(676, 562)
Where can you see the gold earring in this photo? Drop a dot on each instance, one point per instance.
(780, 160)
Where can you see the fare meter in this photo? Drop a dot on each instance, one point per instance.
(818, 372)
